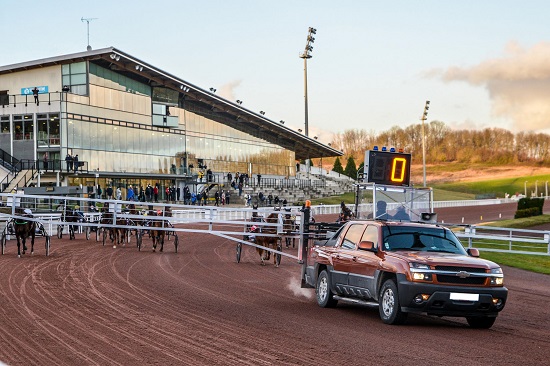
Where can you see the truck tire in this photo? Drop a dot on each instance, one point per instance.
(323, 293)
(481, 322)
(389, 307)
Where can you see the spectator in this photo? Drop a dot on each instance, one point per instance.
(223, 198)
(35, 92)
(118, 193)
(167, 192)
(193, 198)
(109, 192)
(148, 192)
(276, 200)
(229, 177)
(284, 202)
(75, 163)
(259, 179)
(217, 198)
(240, 188)
(156, 192)
(99, 191)
(130, 194)
(269, 199)
(141, 194)
(204, 196)
(261, 197)
(45, 160)
(345, 213)
(69, 162)
(178, 193)
(227, 197)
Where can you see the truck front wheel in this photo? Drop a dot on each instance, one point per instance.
(389, 307)
(324, 296)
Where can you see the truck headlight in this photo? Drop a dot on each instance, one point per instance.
(420, 272)
(498, 277)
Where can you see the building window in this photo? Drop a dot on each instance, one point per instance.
(48, 129)
(23, 126)
(4, 124)
(76, 77)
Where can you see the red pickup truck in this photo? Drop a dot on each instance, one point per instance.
(405, 267)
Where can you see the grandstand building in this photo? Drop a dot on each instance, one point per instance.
(131, 123)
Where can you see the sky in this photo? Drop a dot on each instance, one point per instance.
(374, 63)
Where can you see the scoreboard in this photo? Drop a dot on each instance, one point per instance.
(388, 168)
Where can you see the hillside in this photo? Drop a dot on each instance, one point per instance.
(460, 173)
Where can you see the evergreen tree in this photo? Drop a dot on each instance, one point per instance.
(351, 168)
(338, 168)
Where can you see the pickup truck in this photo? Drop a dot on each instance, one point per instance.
(405, 267)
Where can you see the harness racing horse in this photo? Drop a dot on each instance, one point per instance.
(24, 229)
(71, 217)
(157, 234)
(273, 219)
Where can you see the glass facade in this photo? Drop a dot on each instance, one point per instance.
(4, 124)
(75, 76)
(48, 132)
(107, 119)
(23, 127)
(116, 134)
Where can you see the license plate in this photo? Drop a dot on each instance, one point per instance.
(464, 297)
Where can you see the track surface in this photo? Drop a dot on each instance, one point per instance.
(88, 304)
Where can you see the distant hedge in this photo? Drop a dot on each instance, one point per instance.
(529, 207)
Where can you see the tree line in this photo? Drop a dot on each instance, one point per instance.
(444, 145)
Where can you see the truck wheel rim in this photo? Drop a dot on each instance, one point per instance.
(323, 288)
(388, 302)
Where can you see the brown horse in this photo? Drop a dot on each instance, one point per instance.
(24, 229)
(270, 241)
(157, 234)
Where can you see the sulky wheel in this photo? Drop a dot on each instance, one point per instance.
(239, 250)
(104, 235)
(278, 254)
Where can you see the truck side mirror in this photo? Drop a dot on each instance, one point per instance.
(367, 245)
(473, 252)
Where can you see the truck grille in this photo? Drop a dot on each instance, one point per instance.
(452, 279)
(460, 281)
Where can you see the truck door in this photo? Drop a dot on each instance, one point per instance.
(364, 264)
(342, 257)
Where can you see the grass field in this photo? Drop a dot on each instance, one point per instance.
(499, 187)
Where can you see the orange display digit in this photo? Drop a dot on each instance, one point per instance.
(398, 170)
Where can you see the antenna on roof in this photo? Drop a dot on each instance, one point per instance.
(88, 20)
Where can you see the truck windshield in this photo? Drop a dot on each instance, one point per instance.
(421, 239)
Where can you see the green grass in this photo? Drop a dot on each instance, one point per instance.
(499, 186)
(533, 263)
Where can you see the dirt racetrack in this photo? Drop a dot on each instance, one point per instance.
(88, 304)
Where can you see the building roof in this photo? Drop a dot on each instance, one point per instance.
(222, 110)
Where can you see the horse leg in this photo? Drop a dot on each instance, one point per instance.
(154, 235)
(260, 252)
(18, 247)
(32, 241)
(161, 242)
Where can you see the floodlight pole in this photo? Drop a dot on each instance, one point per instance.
(423, 118)
(305, 55)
